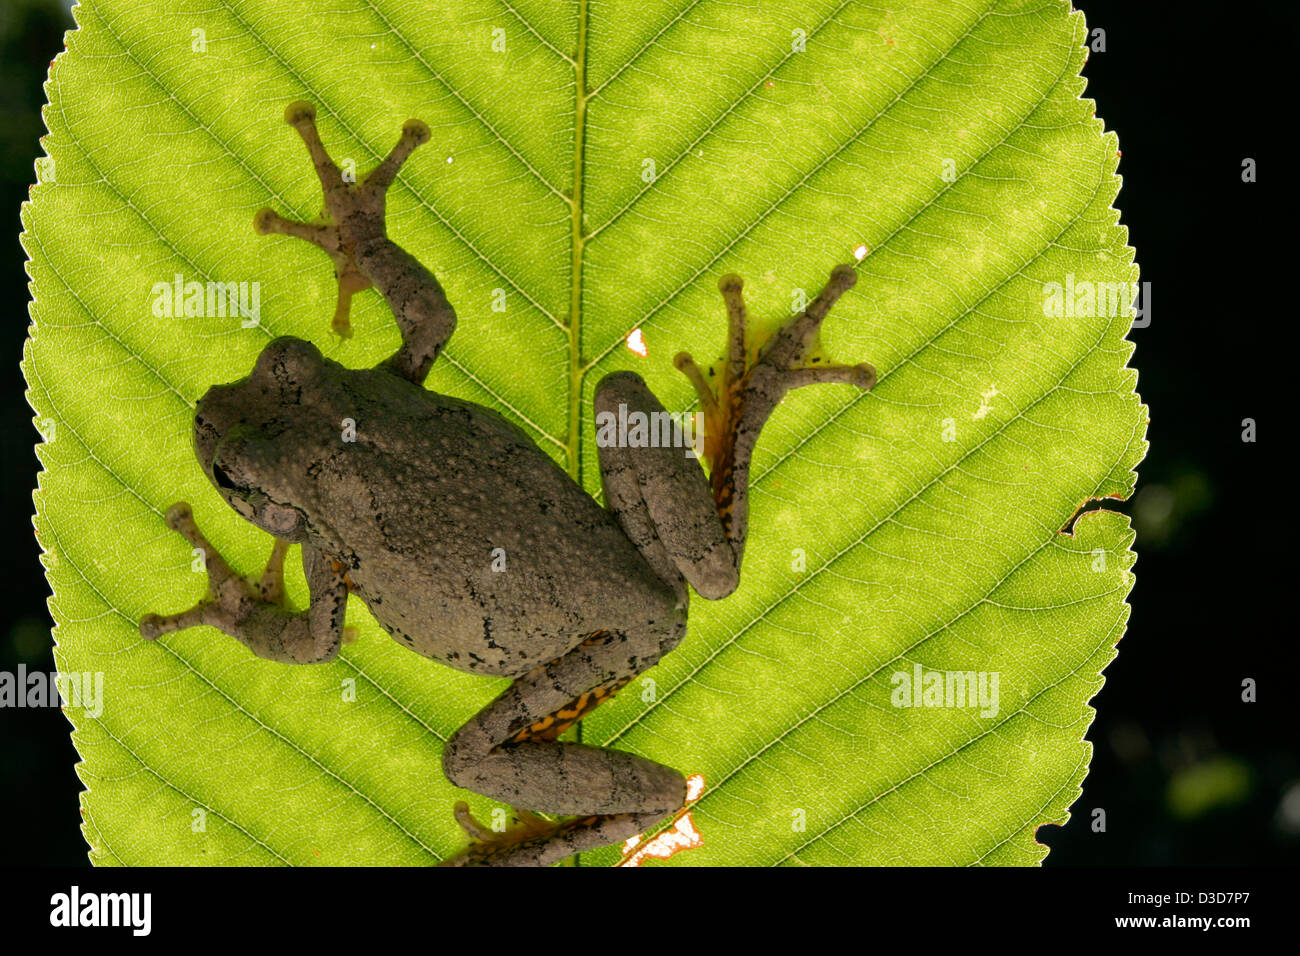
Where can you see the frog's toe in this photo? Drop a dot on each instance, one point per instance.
(797, 338)
(299, 111)
(351, 281)
(862, 375)
(475, 830)
(517, 845)
(178, 515)
(791, 350)
(418, 130)
(267, 222)
(154, 626)
(414, 133)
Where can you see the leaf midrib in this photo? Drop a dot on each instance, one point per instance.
(578, 241)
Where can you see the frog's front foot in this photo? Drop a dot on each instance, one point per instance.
(232, 598)
(354, 212)
(254, 610)
(755, 376)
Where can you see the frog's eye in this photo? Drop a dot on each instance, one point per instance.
(237, 469)
(222, 479)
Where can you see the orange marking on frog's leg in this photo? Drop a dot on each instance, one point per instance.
(724, 496)
(552, 725)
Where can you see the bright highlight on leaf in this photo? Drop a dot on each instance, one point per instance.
(904, 539)
(636, 343)
(680, 833)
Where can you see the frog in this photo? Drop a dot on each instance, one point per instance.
(467, 542)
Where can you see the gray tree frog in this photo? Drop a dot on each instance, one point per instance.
(408, 516)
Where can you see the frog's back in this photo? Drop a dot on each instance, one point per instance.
(481, 551)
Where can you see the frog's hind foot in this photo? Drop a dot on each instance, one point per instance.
(512, 846)
(753, 378)
(536, 840)
(509, 751)
(354, 212)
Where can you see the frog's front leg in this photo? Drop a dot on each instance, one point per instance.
(352, 230)
(253, 611)
(660, 495)
(510, 752)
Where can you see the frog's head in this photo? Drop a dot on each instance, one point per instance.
(242, 435)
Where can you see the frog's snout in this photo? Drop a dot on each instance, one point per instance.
(215, 414)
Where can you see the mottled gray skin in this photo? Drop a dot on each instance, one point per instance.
(467, 542)
(416, 506)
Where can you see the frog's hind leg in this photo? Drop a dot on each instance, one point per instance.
(658, 492)
(510, 752)
(353, 231)
(751, 383)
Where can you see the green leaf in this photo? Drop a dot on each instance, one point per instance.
(918, 525)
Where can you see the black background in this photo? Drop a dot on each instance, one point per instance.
(1186, 772)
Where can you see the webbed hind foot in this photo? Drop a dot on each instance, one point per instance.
(754, 378)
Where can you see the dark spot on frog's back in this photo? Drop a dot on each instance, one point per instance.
(398, 633)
